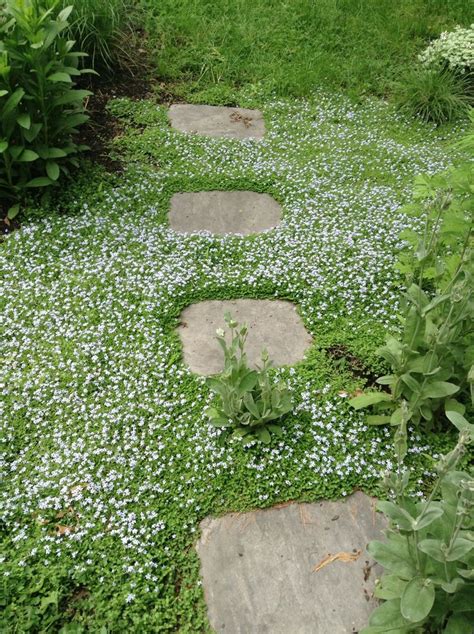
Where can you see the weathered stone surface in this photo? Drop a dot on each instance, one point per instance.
(218, 121)
(222, 212)
(273, 324)
(259, 574)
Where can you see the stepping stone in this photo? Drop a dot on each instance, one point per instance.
(273, 324)
(269, 570)
(232, 123)
(222, 212)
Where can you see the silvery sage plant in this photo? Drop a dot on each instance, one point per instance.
(432, 357)
(428, 581)
(248, 404)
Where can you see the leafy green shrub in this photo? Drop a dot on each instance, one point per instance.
(433, 359)
(428, 582)
(40, 111)
(248, 404)
(434, 95)
(104, 31)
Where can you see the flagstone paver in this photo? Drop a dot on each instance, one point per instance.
(223, 212)
(260, 569)
(217, 121)
(273, 324)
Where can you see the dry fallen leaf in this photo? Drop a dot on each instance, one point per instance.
(342, 556)
(63, 530)
(236, 117)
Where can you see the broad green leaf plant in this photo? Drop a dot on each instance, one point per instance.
(432, 359)
(247, 403)
(40, 110)
(428, 558)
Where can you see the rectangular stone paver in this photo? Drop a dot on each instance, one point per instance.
(224, 212)
(273, 324)
(260, 574)
(217, 121)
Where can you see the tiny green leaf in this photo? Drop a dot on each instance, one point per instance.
(41, 181)
(13, 211)
(396, 514)
(13, 101)
(59, 76)
(439, 389)
(378, 420)
(434, 548)
(390, 587)
(24, 120)
(65, 13)
(417, 599)
(459, 421)
(52, 169)
(27, 156)
(427, 518)
(264, 435)
(460, 549)
(458, 624)
(365, 400)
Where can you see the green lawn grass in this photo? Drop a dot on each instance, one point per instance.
(292, 46)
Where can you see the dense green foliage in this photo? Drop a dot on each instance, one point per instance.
(213, 46)
(249, 404)
(40, 110)
(428, 557)
(109, 462)
(432, 360)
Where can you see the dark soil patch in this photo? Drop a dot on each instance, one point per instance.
(344, 359)
(102, 127)
(70, 603)
(7, 226)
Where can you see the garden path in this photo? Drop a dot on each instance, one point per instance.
(296, 568)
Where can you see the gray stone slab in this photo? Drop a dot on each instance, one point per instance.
(217, 121)
(223, 212)
(259, 576)
(273, 324)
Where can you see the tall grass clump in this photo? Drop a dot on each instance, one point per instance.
(436, 96)
(104, 29)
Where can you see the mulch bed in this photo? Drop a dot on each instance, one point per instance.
(101, 127)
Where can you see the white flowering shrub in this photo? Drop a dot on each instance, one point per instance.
(453, 50)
